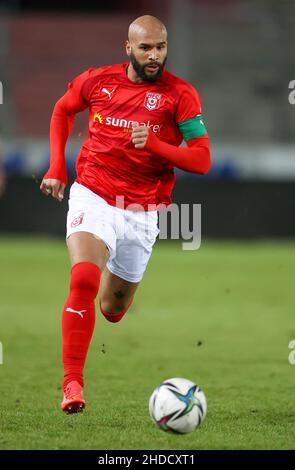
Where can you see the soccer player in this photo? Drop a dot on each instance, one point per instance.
(139, 113)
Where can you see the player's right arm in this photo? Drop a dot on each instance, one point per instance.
(71, 103)
(196, 157)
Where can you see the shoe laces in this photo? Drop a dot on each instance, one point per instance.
(72, 389)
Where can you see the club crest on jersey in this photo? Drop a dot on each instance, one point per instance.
(77, 220)
(152, 101)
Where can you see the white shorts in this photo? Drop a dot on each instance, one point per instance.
(129, 235)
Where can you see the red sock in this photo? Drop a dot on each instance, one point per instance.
(78, 319)
(114, 317)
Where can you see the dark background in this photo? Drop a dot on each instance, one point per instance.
(239, 56)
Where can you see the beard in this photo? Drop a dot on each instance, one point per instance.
(140, 69)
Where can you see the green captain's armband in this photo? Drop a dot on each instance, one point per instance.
(192, 128)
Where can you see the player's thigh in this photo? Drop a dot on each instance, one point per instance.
(86, 247)
(116, 293)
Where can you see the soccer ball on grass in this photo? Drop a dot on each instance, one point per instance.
(178, 405)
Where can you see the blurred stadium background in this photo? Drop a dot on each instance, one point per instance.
(237, 53)
(236, 294)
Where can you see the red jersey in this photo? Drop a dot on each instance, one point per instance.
(108, 163)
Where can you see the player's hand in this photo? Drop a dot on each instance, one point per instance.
(139, 136)
(53, 187)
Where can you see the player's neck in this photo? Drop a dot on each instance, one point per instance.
(132, 75)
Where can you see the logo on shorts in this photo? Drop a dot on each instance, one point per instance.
(152, 101)
(77, 220)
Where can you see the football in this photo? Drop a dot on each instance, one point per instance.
(178, 405)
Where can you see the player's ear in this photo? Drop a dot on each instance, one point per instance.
(128, 47)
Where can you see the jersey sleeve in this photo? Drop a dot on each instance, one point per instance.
(72, 102)
(189, 114)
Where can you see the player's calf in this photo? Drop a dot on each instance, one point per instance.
(78, 320)
(114, 311)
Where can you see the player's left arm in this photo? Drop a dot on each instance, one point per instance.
(195, 158)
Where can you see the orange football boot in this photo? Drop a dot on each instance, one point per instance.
(73, 400)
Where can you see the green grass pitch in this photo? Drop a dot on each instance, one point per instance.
(222, 316)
